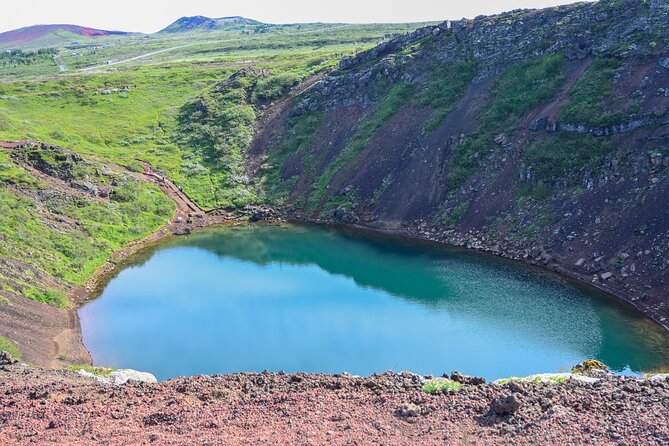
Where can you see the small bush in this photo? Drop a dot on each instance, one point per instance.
(8, 346)
(441, 385)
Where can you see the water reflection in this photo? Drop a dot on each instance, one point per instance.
(333, 301)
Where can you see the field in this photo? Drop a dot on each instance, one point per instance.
(175, 109)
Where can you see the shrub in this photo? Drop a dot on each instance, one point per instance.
(441, 385)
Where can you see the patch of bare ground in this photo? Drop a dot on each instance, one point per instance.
(56, 407)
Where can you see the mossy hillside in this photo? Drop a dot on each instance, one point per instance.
(519, 89)
(67, 236)
(585, 102)
(8, 346)
(396, 97)
(565, 156)
(300, 133)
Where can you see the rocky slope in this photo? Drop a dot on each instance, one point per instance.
(540, 135)
(59, 407)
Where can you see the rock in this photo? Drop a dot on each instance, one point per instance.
(580, 262)
(505, 406)
(464, 379)
(408, 410)
(7, 359)
(120, 377)
(591, 368)
(185, 230)
(664, 63)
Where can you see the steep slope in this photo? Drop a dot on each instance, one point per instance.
(49, 35)
(540, 135)
(201, 23)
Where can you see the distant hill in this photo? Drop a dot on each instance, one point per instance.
(48, 35)
(201, 23)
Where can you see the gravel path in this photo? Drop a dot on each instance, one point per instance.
(56, 407)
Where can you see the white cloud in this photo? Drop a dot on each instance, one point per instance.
(153, 15)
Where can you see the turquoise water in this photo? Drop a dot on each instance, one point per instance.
(295, 298)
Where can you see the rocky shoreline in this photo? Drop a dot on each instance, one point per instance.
(46, 406)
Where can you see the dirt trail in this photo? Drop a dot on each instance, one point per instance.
(52, 337)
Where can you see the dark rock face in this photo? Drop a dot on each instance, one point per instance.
(505, 406)
(578, 217)
(464, 379)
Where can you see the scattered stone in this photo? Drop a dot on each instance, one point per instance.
(464, 379)
(184, 230)
(7, 359)
(505, 406)
(407, 410)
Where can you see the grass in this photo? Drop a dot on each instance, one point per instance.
(566, 155)
(396, 97)
(300, 133)
(175, 110)
(441, 385)
(8, 346)
(34, 232)
(97, 371)
(585, 102)
(519, 89)
(446, 86)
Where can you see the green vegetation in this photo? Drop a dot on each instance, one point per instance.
(441, 385)
(536, 379)
(19, 57)
(454, 216)
(447, 85)
(519, 89)
(566, 154)
(300, 133)
(398, 96)
(97, 371)
(38, 229)
(8, 346)
(176, 110)
(585, 103)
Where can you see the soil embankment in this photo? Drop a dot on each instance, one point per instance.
(57, 407)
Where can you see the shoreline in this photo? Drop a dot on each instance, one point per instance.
(189, 217)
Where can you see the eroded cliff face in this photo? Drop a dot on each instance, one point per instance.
(538, 135)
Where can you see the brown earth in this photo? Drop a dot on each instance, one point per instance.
(57, 407)
(51, 337)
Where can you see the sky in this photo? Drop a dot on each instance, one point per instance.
(152, 15)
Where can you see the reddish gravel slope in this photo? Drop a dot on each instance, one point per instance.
(50, 407)
(26, 35)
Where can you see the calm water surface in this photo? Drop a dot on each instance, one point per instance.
(297, 298)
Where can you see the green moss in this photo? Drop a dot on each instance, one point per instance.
(446, 86)
(397, 97)
(300, 132)
(452, 217)
(441, 385)
(585, 103)
(97, 371)
(520, 89)
(566, 154)
(8, 346)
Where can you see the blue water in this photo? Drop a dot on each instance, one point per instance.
(294, 298)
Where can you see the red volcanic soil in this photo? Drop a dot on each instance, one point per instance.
(26, 35)
(56, 407)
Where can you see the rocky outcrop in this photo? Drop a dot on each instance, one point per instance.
(572, 177)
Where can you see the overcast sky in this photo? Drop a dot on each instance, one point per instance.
(152, 15)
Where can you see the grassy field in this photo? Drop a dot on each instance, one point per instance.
(176, 109)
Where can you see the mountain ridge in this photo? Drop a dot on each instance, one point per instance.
(36, 33)
(202, 23)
